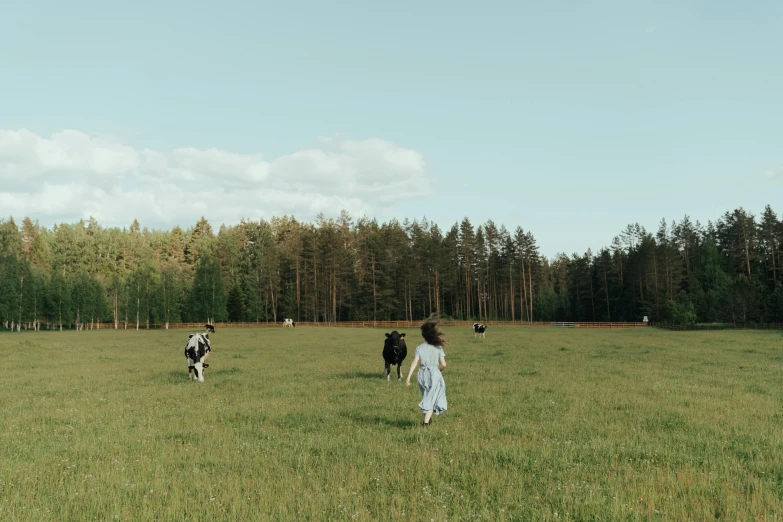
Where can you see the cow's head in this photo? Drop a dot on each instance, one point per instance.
(394, 338)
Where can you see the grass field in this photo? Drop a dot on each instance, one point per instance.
(296, 424)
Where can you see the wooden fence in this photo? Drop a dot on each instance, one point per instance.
(719, 326)
(365, 324)
(340, 324)
(415, 324)
(600, 325)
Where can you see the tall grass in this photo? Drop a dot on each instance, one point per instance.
(297, 424)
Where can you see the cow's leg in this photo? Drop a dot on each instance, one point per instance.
(399, 372)
(190, 373)
(387, 371)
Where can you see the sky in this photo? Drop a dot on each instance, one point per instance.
(570, 119)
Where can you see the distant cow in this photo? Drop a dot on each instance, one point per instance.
(196, 352)
(394, 352)
(289, 323)
(479, 329)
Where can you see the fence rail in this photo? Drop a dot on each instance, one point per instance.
(416, 324)
(340, 324)
(718, 326)
(357, 324)
(598, 325)
(611, 325)
(411, 324)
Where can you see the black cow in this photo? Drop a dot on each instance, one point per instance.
(196, 352)
(479, 329)
(394, 352)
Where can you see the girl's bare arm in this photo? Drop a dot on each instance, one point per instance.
(410, 372)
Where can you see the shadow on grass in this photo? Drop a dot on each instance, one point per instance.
(222, 371)
(377, 420)
(363, 375)
(174, 377)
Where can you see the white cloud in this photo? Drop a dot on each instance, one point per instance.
(773, 173)
(71, 175)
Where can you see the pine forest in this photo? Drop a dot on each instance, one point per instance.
(332, 270)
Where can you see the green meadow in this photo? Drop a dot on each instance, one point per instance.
(297, 424)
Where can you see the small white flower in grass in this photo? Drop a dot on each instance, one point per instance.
(211, 499)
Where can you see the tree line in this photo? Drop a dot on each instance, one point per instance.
(341, 269)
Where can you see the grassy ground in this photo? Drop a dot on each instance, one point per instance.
(296, 424)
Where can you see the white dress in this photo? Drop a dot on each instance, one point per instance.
(431, 382)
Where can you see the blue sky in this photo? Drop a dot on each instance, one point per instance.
(570, 119)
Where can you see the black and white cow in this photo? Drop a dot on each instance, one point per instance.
(394, 352)
(196, 352)
(289, 323)
(479, 329)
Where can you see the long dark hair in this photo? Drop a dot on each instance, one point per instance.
(431, 332)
